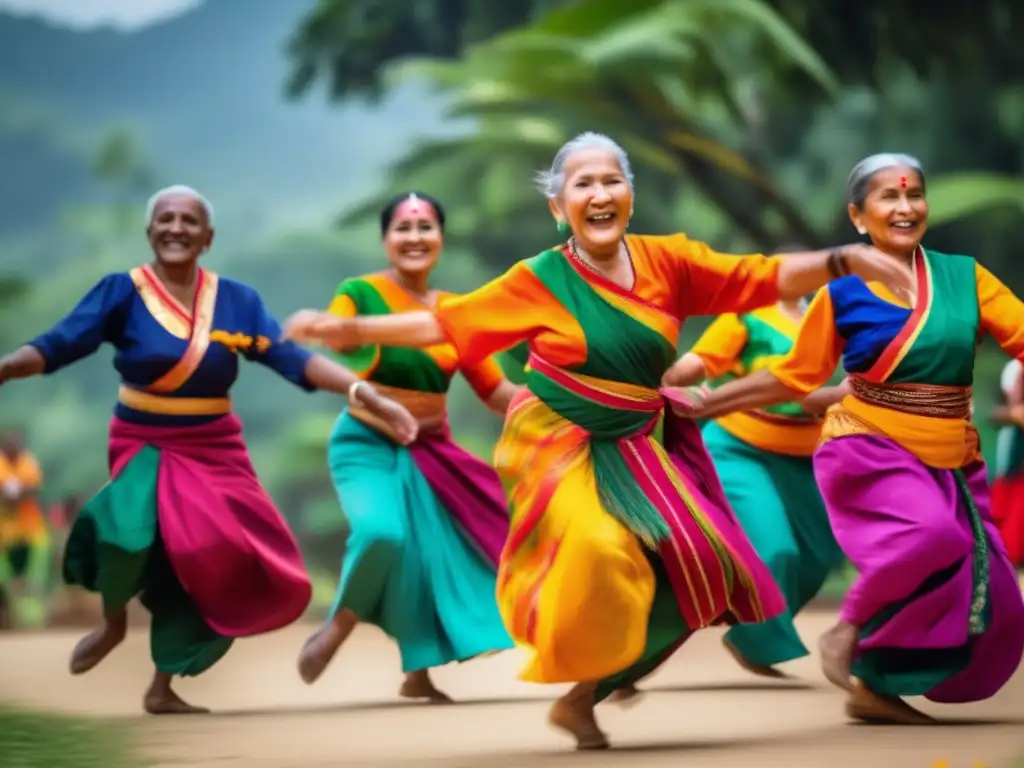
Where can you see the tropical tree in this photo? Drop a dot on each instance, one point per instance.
(693, 91)
(348, 44)
(668, 79)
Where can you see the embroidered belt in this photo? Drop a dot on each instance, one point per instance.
(936, 401)
(145, 402)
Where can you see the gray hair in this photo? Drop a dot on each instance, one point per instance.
(178, 190)
(552, 181)
(859, 181)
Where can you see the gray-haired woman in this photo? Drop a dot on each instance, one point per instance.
(184, 523)
(618, 549)
(936, 609)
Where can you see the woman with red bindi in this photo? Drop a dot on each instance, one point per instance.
(427, 520)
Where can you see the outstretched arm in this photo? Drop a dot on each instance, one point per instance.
(489, 383)
(495, 317)
(714, 354)
(808, 366)
(98, 317)
(716, 283)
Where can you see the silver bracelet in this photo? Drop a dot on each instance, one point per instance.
(353, 397)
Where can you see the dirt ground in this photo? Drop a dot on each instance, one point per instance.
(700, 711)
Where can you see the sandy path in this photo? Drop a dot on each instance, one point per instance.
(701, 711)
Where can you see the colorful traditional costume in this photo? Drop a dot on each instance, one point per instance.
(1008, 486)
(764, 461)
(427, 522)
(184, 523)
(937, 602)
(25, 541)
(619, 548)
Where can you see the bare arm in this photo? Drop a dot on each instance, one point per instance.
(324, 373)
(409, 329)
(687, 370)
(501, 397)
(811, 361)
(23, 363)
(803, 273)
(758, 390)
(820, 400)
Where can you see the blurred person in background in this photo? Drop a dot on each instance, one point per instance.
(427, 520)
(184, 523)
(25, 541)
(763, 457)
(1008, 485)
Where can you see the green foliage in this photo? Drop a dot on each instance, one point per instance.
(956, 196)
(667, 79)
(36, 740)
(349, 42)
(742, 119)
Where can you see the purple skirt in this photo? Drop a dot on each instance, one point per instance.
(937, 600)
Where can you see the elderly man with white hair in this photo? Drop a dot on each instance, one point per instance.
(184, 523)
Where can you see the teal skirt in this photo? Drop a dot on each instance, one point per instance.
(408, 568)
(777, 502)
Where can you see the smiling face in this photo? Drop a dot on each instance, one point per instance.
(895, 210)
(413, 239)
(596, 200)
(179, 231)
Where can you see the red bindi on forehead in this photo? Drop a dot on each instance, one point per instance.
(414, 208)
(903, 182)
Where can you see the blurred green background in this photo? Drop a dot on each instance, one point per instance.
(742, 118)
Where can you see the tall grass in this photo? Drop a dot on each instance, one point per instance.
(40, 740)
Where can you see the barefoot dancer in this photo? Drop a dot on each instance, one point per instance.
(427, 521)
(618, 550)
(764, 461)
(184, 522)
(936, 610)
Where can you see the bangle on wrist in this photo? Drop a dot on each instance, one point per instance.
(353, 391)
(837, 266)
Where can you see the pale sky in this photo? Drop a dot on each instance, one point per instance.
(83, 14)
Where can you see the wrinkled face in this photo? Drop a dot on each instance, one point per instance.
(180, 230)
(414, 239)
(895, 211)
(596, 201)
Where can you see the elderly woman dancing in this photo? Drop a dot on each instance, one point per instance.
(428, 520)
(936, 610)
(184, 523)
(618, 548)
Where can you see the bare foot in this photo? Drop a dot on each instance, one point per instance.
(169, 703)
(628, 696)
(161, 699)
(418, 685)
(761, 670)
(837, 646)
(316, 654)
(574, 714)
(869, 707)
(321, 646)
(97, 645)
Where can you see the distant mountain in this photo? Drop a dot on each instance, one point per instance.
(203, 92)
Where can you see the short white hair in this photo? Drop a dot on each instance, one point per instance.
(859, 182)
(176, 190)
(552, 181)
